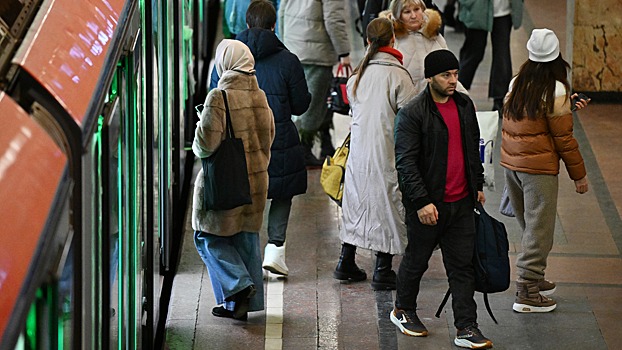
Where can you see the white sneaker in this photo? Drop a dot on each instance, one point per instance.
(274, 259)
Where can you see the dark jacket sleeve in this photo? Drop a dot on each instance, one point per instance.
(408, 137)
(299, 96)
(475, 163)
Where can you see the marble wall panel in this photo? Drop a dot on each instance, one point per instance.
(597, 46)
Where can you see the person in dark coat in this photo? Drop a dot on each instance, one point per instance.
(280, 75)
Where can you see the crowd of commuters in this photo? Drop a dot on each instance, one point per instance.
(413, 176)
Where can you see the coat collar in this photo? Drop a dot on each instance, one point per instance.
(237, 81)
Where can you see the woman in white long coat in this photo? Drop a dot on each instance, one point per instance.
(373, 214)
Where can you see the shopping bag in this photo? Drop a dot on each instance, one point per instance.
(338, 96)
(225, 172)
(334, 172)
(488, 125)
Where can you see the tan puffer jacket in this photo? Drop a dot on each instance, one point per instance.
(535, 147)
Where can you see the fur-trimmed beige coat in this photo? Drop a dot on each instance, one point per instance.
(252, 122)
(416, 45)
(536, 146)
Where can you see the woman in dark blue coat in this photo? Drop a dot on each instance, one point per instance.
(280, 75)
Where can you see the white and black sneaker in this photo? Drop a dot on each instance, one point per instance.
(472, 338)
(408, 322)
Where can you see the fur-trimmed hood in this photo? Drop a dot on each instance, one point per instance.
(431, 27)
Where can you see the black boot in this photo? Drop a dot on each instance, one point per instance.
(327, 148)
(384, 277)
(346, 269)
(306, 140)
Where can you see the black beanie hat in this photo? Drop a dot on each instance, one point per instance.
(440, 61)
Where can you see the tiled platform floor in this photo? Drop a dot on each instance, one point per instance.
(311, 310)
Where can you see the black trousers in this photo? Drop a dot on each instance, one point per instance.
(472, 53)
(455, 232)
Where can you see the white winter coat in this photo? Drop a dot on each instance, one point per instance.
(373, 214)
(416, 45)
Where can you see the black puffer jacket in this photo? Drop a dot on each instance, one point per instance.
(421, 148)
(280, 76)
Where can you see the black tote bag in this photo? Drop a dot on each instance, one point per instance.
(225, 172)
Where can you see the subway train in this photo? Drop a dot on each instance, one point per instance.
(97, 112)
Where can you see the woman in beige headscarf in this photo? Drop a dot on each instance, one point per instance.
(228, 240)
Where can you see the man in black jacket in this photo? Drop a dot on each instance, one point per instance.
(441, 178)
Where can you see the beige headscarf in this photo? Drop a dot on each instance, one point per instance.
(234, 55)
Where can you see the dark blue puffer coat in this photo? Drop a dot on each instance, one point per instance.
(280, 76)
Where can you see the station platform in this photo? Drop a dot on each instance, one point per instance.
(311, 310)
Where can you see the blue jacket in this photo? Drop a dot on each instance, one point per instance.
(280, 76)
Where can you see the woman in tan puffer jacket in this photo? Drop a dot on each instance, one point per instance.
(536, 134)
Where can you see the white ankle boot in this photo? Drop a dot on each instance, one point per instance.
(274, 259)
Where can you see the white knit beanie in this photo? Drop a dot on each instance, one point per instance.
(543, 45)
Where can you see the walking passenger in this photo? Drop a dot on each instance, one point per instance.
(234, 16)
(315, 30)
(280, 75)
(441, 178)
(417, 33)
(496, 17)
(536, 134)
(373, 214)
(228, 240)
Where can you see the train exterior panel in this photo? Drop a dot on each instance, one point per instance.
(99, 96)
(67, 51)
(31, 167)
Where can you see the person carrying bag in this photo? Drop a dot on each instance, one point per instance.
(225, 171)
(227, 240)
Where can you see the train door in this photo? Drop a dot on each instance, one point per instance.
(131, 208)
(115, 291)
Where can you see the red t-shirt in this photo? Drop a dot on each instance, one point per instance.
(456, 182)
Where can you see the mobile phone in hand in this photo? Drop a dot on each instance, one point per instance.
(580, 96)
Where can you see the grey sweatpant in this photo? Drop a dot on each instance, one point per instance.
(534, 199)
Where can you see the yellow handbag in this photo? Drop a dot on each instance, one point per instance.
(334, 171)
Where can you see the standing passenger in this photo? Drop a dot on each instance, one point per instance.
(441, 178)
(496, 17)
(536, 134)
(315, 30)
(417, 33)
(373, 214)
(280, 75)
(228, 240)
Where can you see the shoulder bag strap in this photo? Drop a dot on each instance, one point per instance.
(229, 127)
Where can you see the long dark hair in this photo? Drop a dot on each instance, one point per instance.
(379, 34)
(533, 91)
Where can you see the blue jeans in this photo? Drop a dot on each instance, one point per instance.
(455, 232)
(233, 263)
(278, 217)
